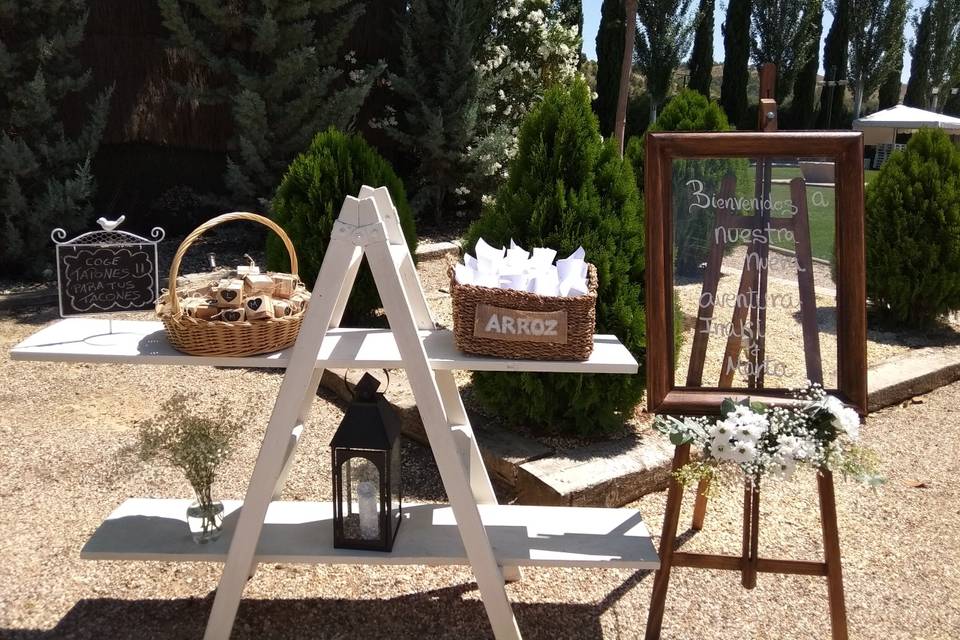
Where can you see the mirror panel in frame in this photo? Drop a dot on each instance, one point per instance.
(755, 254)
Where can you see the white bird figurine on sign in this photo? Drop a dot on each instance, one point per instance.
(110, 225)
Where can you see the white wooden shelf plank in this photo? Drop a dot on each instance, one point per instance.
(144, 342)
(302, 532)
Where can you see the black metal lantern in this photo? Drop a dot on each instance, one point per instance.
(366, 472)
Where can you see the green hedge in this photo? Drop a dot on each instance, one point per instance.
(308, 202)
(913, 233)
(568, 188)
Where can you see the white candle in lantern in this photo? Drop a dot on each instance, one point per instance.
(368, 510)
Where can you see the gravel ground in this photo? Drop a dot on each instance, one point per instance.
(65, 427)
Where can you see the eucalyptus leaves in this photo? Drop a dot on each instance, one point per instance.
(819, 432)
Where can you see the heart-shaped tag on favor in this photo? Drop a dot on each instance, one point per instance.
(254, 303)
(228, 295)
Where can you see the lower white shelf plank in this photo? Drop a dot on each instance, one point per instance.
(302, 532)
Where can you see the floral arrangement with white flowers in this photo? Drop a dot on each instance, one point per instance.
(819, 432)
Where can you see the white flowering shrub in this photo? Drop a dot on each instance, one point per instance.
(529, 50)
(758, 440)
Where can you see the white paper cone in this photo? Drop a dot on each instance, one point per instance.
(485, 251)
(543, 257)
(463, 274)
(487, 280)
(515, 281)
(573, 287)
(547, 283)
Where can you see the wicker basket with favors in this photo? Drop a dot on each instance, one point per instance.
(509, 305)
(238, 316)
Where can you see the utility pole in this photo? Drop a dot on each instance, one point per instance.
(630, 31)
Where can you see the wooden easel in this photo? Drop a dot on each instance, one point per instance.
(753, 291)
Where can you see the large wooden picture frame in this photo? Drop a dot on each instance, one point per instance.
(846, 151)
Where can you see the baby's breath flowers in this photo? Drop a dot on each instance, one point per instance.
(183, 438)
(819, 432)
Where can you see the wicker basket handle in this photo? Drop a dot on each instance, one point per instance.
(209, 224)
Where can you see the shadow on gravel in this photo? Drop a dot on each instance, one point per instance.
(34, 315)
(452, 612)
(443, 613)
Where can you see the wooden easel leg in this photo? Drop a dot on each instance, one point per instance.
(700, 506)
(831, 551)
(671, 517)
(751, 533)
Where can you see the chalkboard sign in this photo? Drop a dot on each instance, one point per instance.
(106, 271)
(758, 263)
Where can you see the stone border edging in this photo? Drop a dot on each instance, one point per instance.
(911, 374)
(437, 249)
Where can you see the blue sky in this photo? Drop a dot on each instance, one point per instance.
(591, 22)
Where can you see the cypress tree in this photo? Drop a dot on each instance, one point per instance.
(567, 188)
(872, 23)
(439, 85)
(835, 65)
(373, 39)
(782, 32)
(894, 44)
(609, 59)
(918, 87)
(736, 58)
(663, 35)
(45, 177)
(890, 89)
(944, 51)
(802, 111)
(951, 106)
(276, 64)
(701, 58)
(690, 111)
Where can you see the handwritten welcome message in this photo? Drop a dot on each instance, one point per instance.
(759, 257)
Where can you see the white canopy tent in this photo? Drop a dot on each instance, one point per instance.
(882, 127)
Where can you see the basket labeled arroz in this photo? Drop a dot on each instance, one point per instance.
(215, 336)
(517, 324)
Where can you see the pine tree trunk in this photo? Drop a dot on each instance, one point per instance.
(653, 110)
(857, 98)
(626, 66)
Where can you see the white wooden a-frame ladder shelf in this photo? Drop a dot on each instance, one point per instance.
(493, 539)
